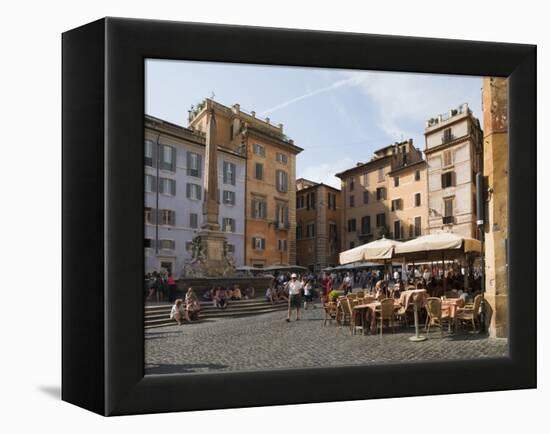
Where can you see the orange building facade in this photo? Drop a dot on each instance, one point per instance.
(318, 221)
(270, 180)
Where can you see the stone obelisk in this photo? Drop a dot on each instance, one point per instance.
(210, 206)
(212, 240)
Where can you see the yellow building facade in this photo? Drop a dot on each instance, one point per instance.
(387, 196)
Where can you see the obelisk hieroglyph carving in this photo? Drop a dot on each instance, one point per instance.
(210, 205)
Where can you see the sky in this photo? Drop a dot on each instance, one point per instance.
(339, 117)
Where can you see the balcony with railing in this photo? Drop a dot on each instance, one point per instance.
(282, 225)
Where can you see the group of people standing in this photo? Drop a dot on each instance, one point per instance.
(160, 286)
(293, 289)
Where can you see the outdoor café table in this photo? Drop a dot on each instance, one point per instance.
(368, 314)
(359, 310)
(451, 305)
(413, 295)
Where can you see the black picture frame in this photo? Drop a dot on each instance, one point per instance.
(103, 132)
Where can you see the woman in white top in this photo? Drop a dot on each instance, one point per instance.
(178, 312)
(308, 294)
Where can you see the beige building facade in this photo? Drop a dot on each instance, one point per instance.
(386, 196)
(270, 180)
(454, 155)
(318, 221)
(495, 171)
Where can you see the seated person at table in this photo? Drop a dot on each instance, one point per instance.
(396, 290)
(178, 312)
(229, 294)
(379, 292)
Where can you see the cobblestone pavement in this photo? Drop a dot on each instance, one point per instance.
(268, 342)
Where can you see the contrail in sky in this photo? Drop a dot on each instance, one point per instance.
(340, 83)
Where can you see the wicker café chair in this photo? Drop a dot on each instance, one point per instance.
(435, 315)
(470, 313)
(348, 314)
(368, 299)
(385, 312)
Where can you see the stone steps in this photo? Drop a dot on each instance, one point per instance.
(159, 315)
(207, 304)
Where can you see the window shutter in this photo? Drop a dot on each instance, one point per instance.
(173, 187)
(173, 218)
(153, 216)
(154, 152)
(199, 192)
(233, 174)
(162, 162)
(253, 208)
(286, 215)
(173, 151)
(188, 190)
(199, 165)
(188, 164)
(224, 168)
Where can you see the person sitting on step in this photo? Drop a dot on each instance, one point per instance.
(178, 312)
(192, 304)
(220, 298)
(237, 295)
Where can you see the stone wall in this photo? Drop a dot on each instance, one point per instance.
(495, 170)
(201, 284)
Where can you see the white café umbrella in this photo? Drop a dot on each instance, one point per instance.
(441, 241)
(379, 250)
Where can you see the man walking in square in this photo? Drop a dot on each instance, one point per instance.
(294, 287)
